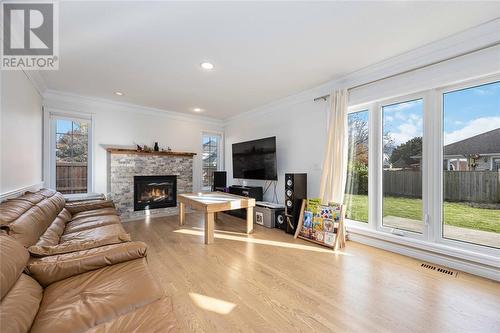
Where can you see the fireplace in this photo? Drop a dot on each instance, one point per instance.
(154, 192)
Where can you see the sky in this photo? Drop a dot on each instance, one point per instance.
(471, 111)
(467, 113)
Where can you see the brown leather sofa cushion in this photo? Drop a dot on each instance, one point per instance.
(32, 223)
(13, 258)
(50, 269)
(84, 223)
(12, 209)
(87, 300)
(19, 307)
(82, 206)
(96, 213)
(153, 318)
(52, 235)
(94, 233)
(77, 245)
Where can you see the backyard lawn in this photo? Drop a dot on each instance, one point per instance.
(456, 214)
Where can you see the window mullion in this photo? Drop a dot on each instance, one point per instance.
(375, 156)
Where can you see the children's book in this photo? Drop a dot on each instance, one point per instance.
(321, 222)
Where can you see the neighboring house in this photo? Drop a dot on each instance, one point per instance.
(480, 152)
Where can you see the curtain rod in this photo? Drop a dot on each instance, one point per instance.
(325, 97)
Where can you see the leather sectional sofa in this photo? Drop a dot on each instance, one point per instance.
(71, 267)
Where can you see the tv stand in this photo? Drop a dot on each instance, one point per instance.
(255, 192)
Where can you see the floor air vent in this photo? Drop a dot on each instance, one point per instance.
(438, 269)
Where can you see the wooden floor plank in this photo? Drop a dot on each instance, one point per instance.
(280, 284)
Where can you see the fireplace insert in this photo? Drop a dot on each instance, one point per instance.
(152, 192)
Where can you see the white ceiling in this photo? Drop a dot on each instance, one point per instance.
(151, 51)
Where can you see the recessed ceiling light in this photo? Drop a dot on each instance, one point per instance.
(118, 93)
(197, 110)
(207, 65)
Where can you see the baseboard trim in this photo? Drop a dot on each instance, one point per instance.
(486, 271)
(20, 191)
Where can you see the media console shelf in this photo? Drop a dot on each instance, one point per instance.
(255, 192)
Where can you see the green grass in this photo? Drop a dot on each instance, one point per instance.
(456, 214)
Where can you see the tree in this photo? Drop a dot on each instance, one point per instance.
(407, 153)
(358, 139)
(72, 145)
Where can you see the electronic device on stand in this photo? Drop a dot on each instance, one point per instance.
(245, 191)
(220, 181)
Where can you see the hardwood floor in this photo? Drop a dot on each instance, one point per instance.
(269, 282)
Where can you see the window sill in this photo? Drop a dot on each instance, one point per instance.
(472, 262)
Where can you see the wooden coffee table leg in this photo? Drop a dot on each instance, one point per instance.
(209, 228)
(182, 213)
(249, 220)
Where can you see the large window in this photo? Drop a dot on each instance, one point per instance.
(434, 161)
(211, 158)
(356, 197)
(70, 159)
(402, 165)
(471, 186)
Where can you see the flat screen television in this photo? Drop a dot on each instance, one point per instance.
(255, 159)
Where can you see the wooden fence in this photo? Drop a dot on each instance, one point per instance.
(71, 177)
(470, 186)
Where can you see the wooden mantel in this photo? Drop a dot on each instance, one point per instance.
(137, 152)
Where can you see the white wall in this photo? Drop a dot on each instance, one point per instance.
(20, 132)
(300, 131)
(124, 125)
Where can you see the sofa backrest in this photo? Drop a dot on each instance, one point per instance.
(20, 294)
(27, 217)
(14, 258)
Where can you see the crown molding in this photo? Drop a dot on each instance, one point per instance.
(483, 35)
(37, 80)
(61, 100)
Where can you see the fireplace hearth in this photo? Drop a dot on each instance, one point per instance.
(151, 192)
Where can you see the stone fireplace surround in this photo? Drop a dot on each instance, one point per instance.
(124, 164)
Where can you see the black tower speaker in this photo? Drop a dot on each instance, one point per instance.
(295, 191)
(219, 181)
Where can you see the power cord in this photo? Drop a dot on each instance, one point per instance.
(275, 196)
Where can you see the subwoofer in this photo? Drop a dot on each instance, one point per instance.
(295, 191)
(219, 181)
(280, 220)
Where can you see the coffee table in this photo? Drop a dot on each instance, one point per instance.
(211, 203)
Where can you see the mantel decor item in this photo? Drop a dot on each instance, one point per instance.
(156, 147)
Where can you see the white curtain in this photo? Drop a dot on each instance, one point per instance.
(333, 177)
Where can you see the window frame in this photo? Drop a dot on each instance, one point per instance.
(371, 221)
(220, 155)
(50, 144)
(432, 177)
(424, 96)
(439, 211)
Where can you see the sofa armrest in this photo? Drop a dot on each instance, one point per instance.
(51, 269)
(82, 206)
(77, 245)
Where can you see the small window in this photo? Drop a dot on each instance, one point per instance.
(71, 155)
(211, 158)
(496, 164)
